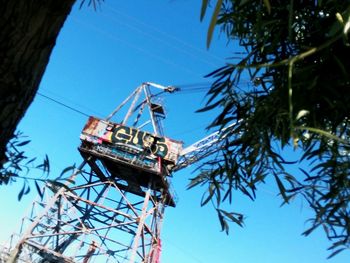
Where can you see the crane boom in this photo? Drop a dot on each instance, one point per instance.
(201, 149)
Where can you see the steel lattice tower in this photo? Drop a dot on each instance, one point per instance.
(111, 207)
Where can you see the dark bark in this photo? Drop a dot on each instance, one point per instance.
(28, 32)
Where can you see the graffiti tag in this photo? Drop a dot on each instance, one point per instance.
(144, 140)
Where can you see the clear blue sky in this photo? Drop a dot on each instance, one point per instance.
(100, 58)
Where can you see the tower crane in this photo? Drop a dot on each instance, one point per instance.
(111, 207)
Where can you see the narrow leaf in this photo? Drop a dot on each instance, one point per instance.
(31, 160)
(27, 191)
(223, 223)
(209, 107)
(39, 190)
(195, 181)
(208, 198)
(301, 114)
(281, 188)
(203, 8)
(56, 186)
(311, 229)
(336, 252)
(46, 164)
(323, 133)
(20, 195)
(231, 216)
(268, 6)
(66, 180)
(23, 143)
(213, 22)
(65, 170)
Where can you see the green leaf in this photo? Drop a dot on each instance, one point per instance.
(245, 192)
(38, 190)
(209, 107)
(31, 160)
(268, 6)
(46, 164)
(27, 191)
(21, 193)
(301, 114)
(196, 181)
(67, 179)
(323, 133)
(212, 24)
(211, 192)
(23, 143)
(223, 223)
(203, 9)
(232, 217)
(281, 188)
(311, 229)
(65, 170)
(336, 252)
(228, 194)
(56, 186)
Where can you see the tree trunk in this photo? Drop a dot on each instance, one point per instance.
(28, 32)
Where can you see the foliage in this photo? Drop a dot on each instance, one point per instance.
(296, 55)
(18, 166)
(94, 3)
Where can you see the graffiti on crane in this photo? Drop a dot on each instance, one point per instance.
(135, 137)
(99, 131)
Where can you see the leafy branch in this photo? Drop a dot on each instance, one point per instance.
(299, 97)
(18, 166)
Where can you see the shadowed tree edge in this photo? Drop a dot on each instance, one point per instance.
(29, 29)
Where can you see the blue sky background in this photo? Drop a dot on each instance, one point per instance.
(100, 58)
